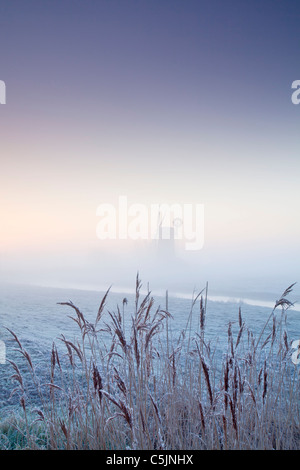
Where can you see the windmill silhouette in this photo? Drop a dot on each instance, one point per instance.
(165, 236)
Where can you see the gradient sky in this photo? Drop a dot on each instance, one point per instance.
(162, 101)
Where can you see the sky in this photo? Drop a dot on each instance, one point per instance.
(160, 101)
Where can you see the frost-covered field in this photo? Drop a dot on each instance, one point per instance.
(34, 315)
(147, 364)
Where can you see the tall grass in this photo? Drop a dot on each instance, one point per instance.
(127, 383)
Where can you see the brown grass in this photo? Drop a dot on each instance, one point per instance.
(145, 390)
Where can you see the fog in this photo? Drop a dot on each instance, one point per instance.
(258, 272)
(178, 104)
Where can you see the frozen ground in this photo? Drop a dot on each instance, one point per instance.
(36, 318)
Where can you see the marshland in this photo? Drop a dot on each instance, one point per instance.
(140, 372)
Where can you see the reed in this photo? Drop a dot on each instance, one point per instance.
(145, 389)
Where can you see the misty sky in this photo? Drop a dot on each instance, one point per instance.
(161, 101)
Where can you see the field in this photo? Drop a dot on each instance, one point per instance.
(126, 381)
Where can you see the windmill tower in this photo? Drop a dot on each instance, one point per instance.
(166, 241)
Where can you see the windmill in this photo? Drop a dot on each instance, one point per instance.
(165, 237)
